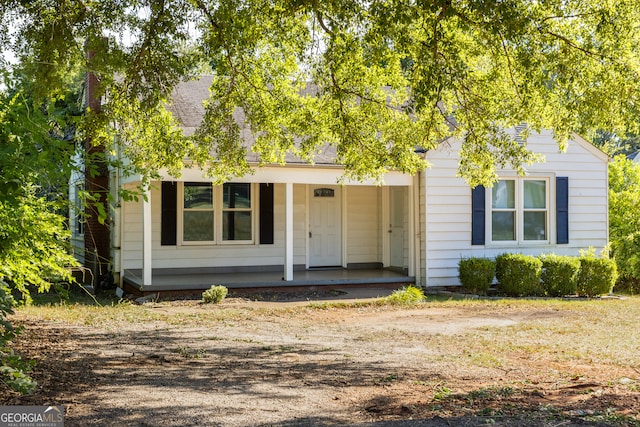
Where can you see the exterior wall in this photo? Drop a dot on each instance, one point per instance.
(190, 256)
(77, 234)
(362, 228)
(447, 207)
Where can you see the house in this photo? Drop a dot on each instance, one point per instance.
(293, 225)
(560, 206)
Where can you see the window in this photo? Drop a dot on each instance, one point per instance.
(323, 192)
(198, 213)
(236, 211)
(519, 211)
(217, 214)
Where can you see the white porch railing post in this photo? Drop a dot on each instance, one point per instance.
(146, 238)
(288, 232)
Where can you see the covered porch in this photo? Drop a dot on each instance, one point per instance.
(299, 228)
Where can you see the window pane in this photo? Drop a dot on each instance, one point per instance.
(198, 226)
(535, 194)
(503, 195)
(323, 192)
(236, 225)
(198, 196)
(237, 196)
(535, 225)
(503, 226)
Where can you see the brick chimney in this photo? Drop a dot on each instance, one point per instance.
(97, 236)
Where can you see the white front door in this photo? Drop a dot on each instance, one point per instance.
(325, 226)
(397, 216)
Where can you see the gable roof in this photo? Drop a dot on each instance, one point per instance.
(187, 106)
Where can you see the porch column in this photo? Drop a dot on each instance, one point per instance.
(413, 227)
(288, 231)
(146, 237)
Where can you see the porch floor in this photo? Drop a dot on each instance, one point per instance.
(306, 278)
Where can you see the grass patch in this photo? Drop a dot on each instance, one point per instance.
(552, 329)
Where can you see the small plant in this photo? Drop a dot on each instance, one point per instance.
(441, 394)
(476, 274)
(597, 276)
(559, 274)
(518, 275)
(215, 294)
(408, 295)
(191, 353)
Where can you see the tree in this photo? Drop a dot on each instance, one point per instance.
(624, 198)
(34, 250)
(624, 221)
(375, 79)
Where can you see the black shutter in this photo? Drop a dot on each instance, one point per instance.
(478, 215)
(169, 215)
(562, 210)
(266, 214)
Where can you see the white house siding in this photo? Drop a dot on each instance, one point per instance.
(223, 255)
(447, 208)
(363, 225)
(77, 237)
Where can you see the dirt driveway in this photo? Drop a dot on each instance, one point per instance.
(254, 364)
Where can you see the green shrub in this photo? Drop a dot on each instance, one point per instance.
(596, 276)
(215, 294)
(626, 252)
(559, 274)
(408, 295)
(519, 275)
(476, 274)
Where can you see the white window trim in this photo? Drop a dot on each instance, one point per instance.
(217, 219)
(519, 209)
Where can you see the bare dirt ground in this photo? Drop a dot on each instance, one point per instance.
(247, 363)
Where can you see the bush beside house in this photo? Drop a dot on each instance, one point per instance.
(476, 274)
(559, 274)
(550, 275)
(596, 276)
(518, 275)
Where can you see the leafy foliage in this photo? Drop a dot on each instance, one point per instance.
(518, 274)
(34, 251)
(559, 274)
(596, 276)
(373, 79)
(33, 235)
(476, 274)
(215, 294)
(624, 197)
(407, 295)
(624, 219)
(626, 251)
(13, 370)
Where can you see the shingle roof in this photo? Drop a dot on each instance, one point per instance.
(187, 107)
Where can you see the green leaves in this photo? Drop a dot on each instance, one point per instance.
(624, 198)
(374, 80)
